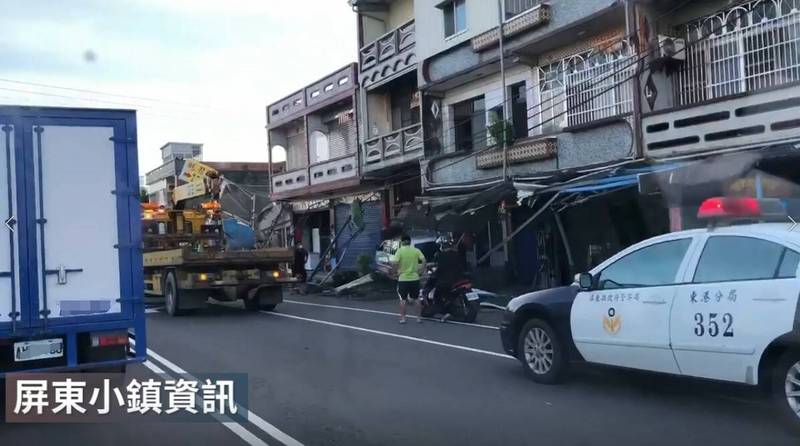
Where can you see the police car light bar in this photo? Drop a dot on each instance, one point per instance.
(737, 208)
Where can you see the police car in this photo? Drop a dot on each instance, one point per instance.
(718, 303)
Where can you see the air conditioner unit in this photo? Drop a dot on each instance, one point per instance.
(671, 48)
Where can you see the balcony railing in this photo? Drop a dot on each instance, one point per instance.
(389, 55)
(320, 173)
(758, 119)
(534, 17)
(333, 170)
(748, 48)
(289, 181)
(394, 144)
(331, 87)
(521, 152)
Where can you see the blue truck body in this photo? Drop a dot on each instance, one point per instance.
(70, 271)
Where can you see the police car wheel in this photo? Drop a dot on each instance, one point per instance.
(787, 387)
(540, 352)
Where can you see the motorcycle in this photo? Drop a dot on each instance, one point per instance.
(461, 303)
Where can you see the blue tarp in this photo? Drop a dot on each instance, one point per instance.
(627, 178)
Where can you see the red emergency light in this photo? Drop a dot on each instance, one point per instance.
(741, 208)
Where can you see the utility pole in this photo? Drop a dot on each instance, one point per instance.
(501, 17)
(632, 29)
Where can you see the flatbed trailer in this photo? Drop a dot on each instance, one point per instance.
(186, 279)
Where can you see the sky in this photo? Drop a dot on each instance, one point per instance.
(199, 71)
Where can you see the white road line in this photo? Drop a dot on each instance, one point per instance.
(388, 313)
(233, 426)
(393, 335)
(256, 420)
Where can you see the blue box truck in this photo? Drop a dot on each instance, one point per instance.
(71, 281)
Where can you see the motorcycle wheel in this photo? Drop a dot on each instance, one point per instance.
(428, 310)
(458, 309)
(472, 311)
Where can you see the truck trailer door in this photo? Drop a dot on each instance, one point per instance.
(10, 280)
(80, 212)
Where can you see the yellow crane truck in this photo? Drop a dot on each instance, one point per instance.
(188, 255)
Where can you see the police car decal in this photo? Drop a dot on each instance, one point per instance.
(719, 303)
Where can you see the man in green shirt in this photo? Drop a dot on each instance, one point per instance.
(409, 262)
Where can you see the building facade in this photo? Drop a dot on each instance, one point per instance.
(162, 180)
(548, 135)
(593, 97)
(315, 130)
(390, 114)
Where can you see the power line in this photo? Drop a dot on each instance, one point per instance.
(585, 101)
(102, 93)
(146, 111)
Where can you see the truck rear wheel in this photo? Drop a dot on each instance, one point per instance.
(252, 303)
(171, 297)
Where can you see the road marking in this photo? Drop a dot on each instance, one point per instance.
(256, 420)
(388, 313)
(393, 335)
(153, 310)
(233, 426)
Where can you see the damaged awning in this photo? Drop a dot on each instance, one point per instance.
(458, 212)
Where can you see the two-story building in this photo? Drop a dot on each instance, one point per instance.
(315, 130)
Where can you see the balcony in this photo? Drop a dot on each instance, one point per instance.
(527, 20)
(394, 148)
(736, 122)
(521, 152)
(338, 169)
(320, 174)
(326, 91)
(389, 56)
(289, 181)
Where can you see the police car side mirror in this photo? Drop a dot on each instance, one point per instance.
(585, 281)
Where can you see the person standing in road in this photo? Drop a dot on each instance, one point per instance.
(409, 262)
(300, 259)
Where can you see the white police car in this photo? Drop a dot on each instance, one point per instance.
(718, 303)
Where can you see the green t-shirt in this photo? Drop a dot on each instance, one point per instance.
(408, 259)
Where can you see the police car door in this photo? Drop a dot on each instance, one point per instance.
(624, 320)
(741, 296)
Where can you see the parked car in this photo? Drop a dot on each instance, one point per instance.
(718, 303)
(387, 248)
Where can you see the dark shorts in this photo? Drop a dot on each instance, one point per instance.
(408, 290)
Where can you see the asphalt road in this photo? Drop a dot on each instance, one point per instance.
(325, 371)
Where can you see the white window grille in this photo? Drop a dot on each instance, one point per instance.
(750, 47)
(517, 7)
(584, 88)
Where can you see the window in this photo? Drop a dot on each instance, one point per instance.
(469, 123)
(788, 269)
(404, 112)
(320, 147)
(653, 265)
(455, 17)
(729, 258)
(517, 7)
(519, 110)
(750, 47)
(585, 87)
